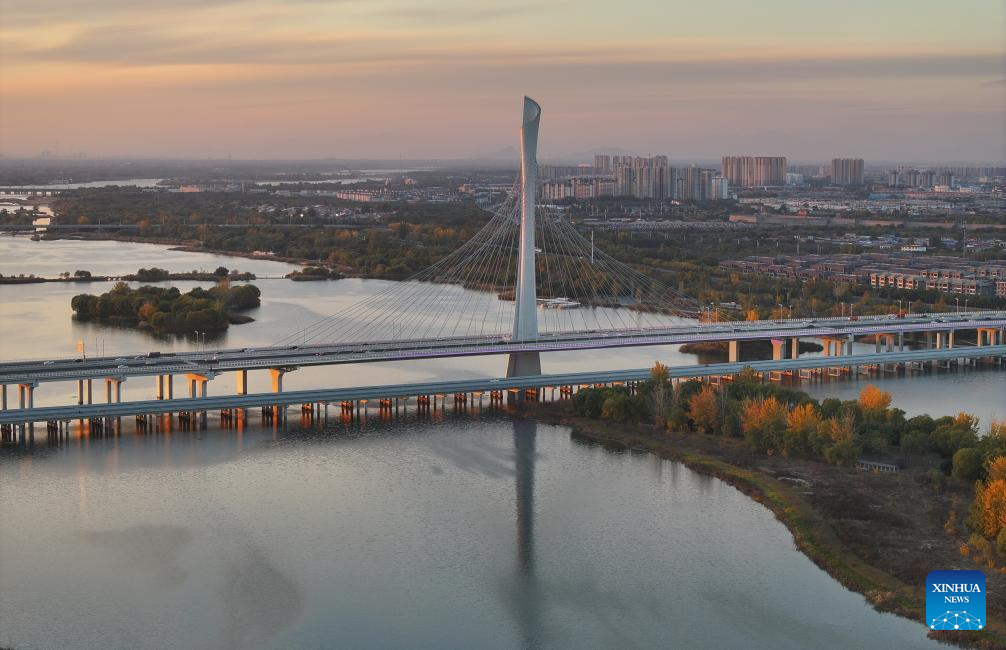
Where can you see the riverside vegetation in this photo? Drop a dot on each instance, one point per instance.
(877, 533)
(168, 310)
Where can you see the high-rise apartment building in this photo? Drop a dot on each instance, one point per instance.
(625, 180)
(847, 171)
(602, 164)
(645, 178)
(754, 171)
(720, 188)
(696, 184)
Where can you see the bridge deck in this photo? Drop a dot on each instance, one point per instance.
(212, 362)
(74, 412)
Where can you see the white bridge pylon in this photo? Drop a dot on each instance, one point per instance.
(525, 323)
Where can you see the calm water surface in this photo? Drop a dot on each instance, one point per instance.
(442, 531)
(446, 532)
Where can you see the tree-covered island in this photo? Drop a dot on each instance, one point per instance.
(166, 310)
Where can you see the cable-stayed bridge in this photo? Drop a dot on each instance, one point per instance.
(528, 282)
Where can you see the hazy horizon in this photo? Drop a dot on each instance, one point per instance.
(443, 80)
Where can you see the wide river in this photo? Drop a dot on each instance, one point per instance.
(450, 530)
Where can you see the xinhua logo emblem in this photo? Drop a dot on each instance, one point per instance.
(955, 600)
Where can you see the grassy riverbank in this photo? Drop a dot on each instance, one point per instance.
(877, 534)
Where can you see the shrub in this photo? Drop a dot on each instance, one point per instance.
(967, 464)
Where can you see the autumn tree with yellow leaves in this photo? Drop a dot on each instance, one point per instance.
(874, 401)
(704, 410)
(763, 422)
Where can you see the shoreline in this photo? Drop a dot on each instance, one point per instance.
(184, 245)
(813, 533)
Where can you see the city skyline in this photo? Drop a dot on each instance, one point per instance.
(259, 79)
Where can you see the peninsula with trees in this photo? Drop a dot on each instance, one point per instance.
(873, 497)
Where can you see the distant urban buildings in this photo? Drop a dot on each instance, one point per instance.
(720, 188)
(952, 275)
(847, 171)
(696, 184)
(899, 178)
(754, 171)
(645, 178)
(653, 177)
(641, 177)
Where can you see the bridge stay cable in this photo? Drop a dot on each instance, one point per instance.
(470, 292)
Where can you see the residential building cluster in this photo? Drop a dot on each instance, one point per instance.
(847, 171)
(951, 275)
(412, 195)
(754, 171)
(641, 177)
(653, 177)
(945, 178)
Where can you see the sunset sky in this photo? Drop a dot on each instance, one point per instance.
(911, 80)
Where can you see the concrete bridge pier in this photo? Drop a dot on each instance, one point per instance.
(26, 399)
(3, 399)
(197, 385)
(84, 386)
(113, 389)
(241, 377)
(734, 351)
(989, 336)
(832, 347)
(166, 389)
(26, 395)
(197, 389)
(277, 387)
(944, 340)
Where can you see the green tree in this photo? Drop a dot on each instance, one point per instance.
(616, 408)
(967, 464)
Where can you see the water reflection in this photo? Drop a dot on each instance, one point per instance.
(525, 595)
